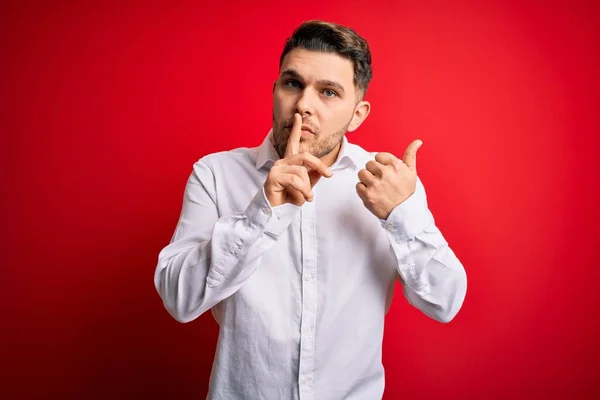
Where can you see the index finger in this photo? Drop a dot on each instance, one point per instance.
(293, 143)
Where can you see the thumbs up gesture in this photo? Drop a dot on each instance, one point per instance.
(388, 181)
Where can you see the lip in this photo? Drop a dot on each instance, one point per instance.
(306, 128)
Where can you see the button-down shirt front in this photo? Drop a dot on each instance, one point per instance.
(300, 293)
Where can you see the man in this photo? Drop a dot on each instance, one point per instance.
(295, 245)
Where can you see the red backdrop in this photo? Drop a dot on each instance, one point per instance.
(105, 107)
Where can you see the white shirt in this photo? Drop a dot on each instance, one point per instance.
(300, 293)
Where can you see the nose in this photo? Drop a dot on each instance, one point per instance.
(305, 103)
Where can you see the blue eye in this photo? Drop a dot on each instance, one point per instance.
(292, 84)
(330, 93)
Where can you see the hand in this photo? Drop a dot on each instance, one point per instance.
(292, 178)
(388, 181)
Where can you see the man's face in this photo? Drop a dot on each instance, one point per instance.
(320, 87)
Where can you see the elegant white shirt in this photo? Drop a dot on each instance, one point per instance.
(300, 293)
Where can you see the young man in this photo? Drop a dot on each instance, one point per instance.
(295, 245)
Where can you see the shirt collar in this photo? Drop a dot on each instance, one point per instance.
(349, 155)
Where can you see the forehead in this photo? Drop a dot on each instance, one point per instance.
(317, 65)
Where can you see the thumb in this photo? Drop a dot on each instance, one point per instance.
(410, 155)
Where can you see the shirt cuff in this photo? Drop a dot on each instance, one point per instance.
(273, 220)
(409, 218)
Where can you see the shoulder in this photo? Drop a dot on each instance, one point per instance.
(227, 160)
(359, 155)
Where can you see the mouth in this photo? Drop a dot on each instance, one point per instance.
(306, 130)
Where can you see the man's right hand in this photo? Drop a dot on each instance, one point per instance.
(292, 178)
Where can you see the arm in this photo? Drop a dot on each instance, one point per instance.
(434, 280)
(210, 257)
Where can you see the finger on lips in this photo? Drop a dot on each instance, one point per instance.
(303, 170)
(293, 155)
(293, 144)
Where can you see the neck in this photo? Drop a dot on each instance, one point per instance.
(329, 158)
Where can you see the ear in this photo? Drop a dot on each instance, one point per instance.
(361, 112)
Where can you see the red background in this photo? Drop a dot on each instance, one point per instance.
(106, 106)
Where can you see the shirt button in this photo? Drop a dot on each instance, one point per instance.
(390, 227)
(266, 210)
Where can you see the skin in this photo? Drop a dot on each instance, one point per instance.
(320, 87)
(315, 102)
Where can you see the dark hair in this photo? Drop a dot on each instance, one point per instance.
(316, 35)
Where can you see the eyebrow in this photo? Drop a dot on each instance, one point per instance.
(323, 82)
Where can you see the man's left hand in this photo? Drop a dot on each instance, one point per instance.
(388, 181)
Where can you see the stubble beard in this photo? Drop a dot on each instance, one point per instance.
(318, 147)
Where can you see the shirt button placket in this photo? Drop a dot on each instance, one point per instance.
(309, 302)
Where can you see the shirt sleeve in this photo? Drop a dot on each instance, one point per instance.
(433, 278)
(210, 257)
